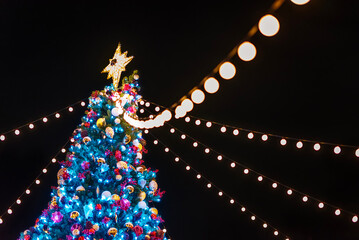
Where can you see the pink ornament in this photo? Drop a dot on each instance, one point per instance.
(138, 230)
(56, 217)
(124, 204)
(85, 165)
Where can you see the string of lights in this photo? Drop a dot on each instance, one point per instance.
(31, 125)
(221, 193)
(261, 178)
(37, 181)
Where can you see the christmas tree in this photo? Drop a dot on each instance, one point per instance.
(104, 190)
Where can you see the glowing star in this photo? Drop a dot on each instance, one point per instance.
(117, 65)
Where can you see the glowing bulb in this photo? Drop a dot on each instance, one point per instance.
(147, 104)
(146, 131)
(337, 212)
(167, 149)
(18, 201)
(357, 152)
(274, 185)
(9, 211)
(321, 205)
(253, 218)
(268, 25)
(155, 142)
(289, 192)
(235, 132)
(260, 179)
(44, 170)
(172, 130)
(250, 135)
(57, 115)
(337, 150)
(299, 144)
(197, 96)
(283, 142)
(195, 144)
(2, 138)
(264, 137)
(211, 85)
(246, 171)
(209, 124)
(44, 119)
(219, 158)
(142, 102)
(142, 110)
(63, 150)
(247, 51)
(233, 164)
(37, 181)
(53, 160)
(157, 109)
(83, 104)
(209, 185)
(355, 219)
(300, 2)
(305, 199)
(167, 115)
(231, 201)
(31, 126)
(177, 159)
(27, 191)
(188, 168)
(183, 136)
(275, 233)
(71, 109)
(187, 119)
(17, 132)
(1, 221)
(206, 150)
(243, 209)
(187, 105)
(198, 176)
(198, 122)
(180, 111)
(223, 129)
(227, 70)
(265, 225)
(220, 194)
(316, 147)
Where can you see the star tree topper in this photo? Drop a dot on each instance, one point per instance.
(117, 65)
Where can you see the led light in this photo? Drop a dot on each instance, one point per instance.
(211, 85)
(177, 159)
(198, 122)
(164, 230)
(198, 176)
(71, 109)
(180, 111)
(355, 219)
(246, 171)
(231, 201)
(83, 104)
(44, 170)
(317, 147)
(220, 194)
(167, 149)
(157, 109)
(250, 135)
(63, 150)
(268, 25)
(321, 205)
(147, 104)
(9, 211)
(357, 152)
(27, 191)
(289, 192)
(209, 124)
(146, 131)
(209, 185)
(223, 129)
(235, 132)
(265, 225)
(183, 136)
(260, 178)
(243, 209)
(337, 212)
(299, 144)
(31, 126)
(72, 140)
(219, 157)
(227, 70)
(142, 110)
(305, 199)
(247, 51)
(44, 119)
(197, 96)
(206, 150)
(337, 150)
(18, 201)
(253, 218)
(187, 105)
(2, 138)
(274, 185)
(283, 142)
(142, 102)
(275, 233)
(37, 181)
(188, 168)
(53, 160)
(155, 142)
(17, 132)
(57, 115)
(1, 221)
(264, 137)
(233, 164)
(187, 119)
(172, 130)
(167, 115)
(195, 144)
(300, 2)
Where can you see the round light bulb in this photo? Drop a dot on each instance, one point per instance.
(227, 70)
(197, 122)
(198, 176)
(223, 129)
(172, 130)
(37, 181)
(27, 191)
(316, 147)
(18, 201)
(253, 218)
(209, 185)
(1, 221)
(45, 119)
(268, 25)
(337, 212)
(233, 164)
(247, 51)
(53, 160)
(246, 171)
(299, 144)
(220, 194)
(9, 211)
(83, 104)
(183, 136)
(357, 152)
(243, 209)
(264, 137)
(2, 138)
(275, 233)
(57, 115)
(305, 199)
(17, 132)
(219, 158)
(211, 85)
(289, 192)
(44, 170)
(167, 149)
(283, 142)
(300, 2)
(71, 109)
(188, 168)
(187, 105)
(250, 135)
(260, 178)
(147, 104)
(167, 115)
(197, 96)
(231, 201)
(206, 150)
(177, 159)
(321, 205)
(337, 150)
(235, 132)
(180, 111)
(209, 124)
(265, 225)
(195, 144)
(31, 126)
(274, 185)
(187, 119)
(355, 219)
(155, 142)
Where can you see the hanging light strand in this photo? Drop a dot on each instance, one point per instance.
(34, 182)
(31, 125)
(261, 177)
(220, 192)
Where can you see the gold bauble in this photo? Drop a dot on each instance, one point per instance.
(129, 225)
(74, 214)
(109, 132)
(142, 196)
(127, 139)
(115, 197)
(96, 227)
(130, 189)
(101, 122)
(112, 231)
(118, 177)
(86, 139)
(122, 165)
(154, 211)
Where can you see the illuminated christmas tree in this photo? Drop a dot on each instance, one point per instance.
(104, 190)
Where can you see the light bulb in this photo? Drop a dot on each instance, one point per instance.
(71, 109)
(305, 199)
(197, 96)
(321, 205)
(172, 130)
(195, 144)
(300, 2)
(183, 136)
(2, 138)
(180, 111)
(27, 191)
(227, 70)
(289, 192)
(355, 219)
(209, 124)
(253, 218)
(57, 115)
(44, 119)
(337, 150)
(1, 221)
(53, 160)
(264, 137)
(250, 135)
(177, 159)
(198, 176)
(206, 150)
(188, 168)
(357, 152)
(37, 181)
(9, 211)
(167, 115)
(231, 201)
(223, 129)
(44, 170)
(260, 178)
(197, 122)
(17, 132)
(275, 233)
(316, 147)
(235, 132)
(146, 131)
(268, 25)
(246, 171)
(283, 142)
(299, 144)
(187, 119)
(18, 201)
(63, 150)
(187, 105)
(31, 126)
(157, 109)
(147, 104)
(233, 164)
(220, 194)
(337, 212)
(209, 185)
(142, 102)
(155, 142)
(274, 185)
(265, 225)
(83, 104)
(243, 209)
(219, 157)
(211, 85)
(247, 51)
(167, 149)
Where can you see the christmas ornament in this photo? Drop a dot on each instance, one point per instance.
(112, 231)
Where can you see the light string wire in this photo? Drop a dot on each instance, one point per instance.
(9, 211)
(220, 191)
(265, 136)
(44, 119)
(261, 177)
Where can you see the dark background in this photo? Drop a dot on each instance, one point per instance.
(303, 83)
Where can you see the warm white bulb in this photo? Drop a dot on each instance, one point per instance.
(2, 138)
(187, 119)
(253, 218)
(198, 176)
(247, 51)
(231, 201)
(283, 142)
(53, 160)
(183, 136)
(195, 144)
(187, 105)
(305, 199)
(243, 209)
(209, 185)
(172, 130)
(9, 211)
(246, 171)
(275, 233)
(227, 70)
(211, 85)
(147, 104)
(357, 152)
(235, 132)
(27, 191)
(206, 150)
(37, 181)
(45, 119)
(197, 96)
(63, 150)
(260, 178)
(274, 185)
(337, 212)
(233, 164)
(219, 157)
(321, 205)
(300, 2)
(31, 126)
(180, 111)
(71, 109)
(250, 135)
(167, 115)
(44, 170)
(188, 168)
(17, 132)
(289, 192)
(1, 221)
(223, 129)
(57, 115)
(209, 124)
(316, 147)
(337, 150)
(264, 137)
(177, 159)
(220, 194)
(167, 149)
(268, 25)
(299, 144)
(18, 201)
(155, 142)
(355, 219)
(157, 109)
(83, 104)
(197, 122)
(265, 225)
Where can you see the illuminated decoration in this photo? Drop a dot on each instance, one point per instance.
(227, 70)
(247, 51)
(117, 66)
(187, 105)
(197, 96)
(300, 2)
(211, 85)
(104, 189)
(268, 25)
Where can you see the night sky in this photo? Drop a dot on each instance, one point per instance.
(302, 83)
